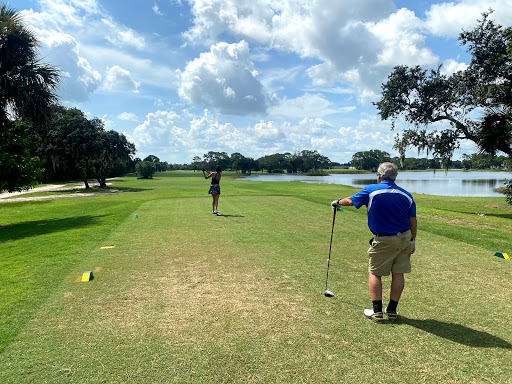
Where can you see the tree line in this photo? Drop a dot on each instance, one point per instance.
(303, 161)
(306, 161)
(370, 160)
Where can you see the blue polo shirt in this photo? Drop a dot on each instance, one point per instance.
(389, 207)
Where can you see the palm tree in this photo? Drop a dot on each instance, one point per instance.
(27, 87)
(26, 92)
(495, 131)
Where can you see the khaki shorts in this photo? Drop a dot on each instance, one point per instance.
(391, 254)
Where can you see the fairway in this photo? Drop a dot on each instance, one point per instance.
(189, 297)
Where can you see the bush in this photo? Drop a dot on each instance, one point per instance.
(508, 191)
(317, 172)
(145, 169)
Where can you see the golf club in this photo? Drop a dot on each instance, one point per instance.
(328, 293)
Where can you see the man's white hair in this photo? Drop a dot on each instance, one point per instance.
(388, 171)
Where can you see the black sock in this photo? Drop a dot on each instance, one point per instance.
(392, 306)
(377, 306)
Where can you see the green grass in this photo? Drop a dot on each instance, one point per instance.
(188, 297)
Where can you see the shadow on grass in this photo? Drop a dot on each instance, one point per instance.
(457, 333)
(500, 215)
(42, 227)
(223, 215)
(99, 190)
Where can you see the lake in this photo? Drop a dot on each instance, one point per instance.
(453, 183)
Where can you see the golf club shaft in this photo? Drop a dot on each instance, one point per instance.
(330, 247)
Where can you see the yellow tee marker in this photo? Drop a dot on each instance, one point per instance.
(107, 246)
(502, 255)
(87, 276)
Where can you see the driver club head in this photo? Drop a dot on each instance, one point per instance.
(328, 293)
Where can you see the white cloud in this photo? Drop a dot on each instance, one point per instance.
(451, 66)
(78, 78)
(369, 133)
(141, 68)
(158, 132)
(156, 10)
(449, 19)
(356, 42)
(224, 79)
(122, 36)
(128, 116)
(70, 12)
(109, 124)
(119, 79)
(173, 137)
(402, 41)
(308, 105)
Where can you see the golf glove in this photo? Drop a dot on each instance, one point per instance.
(335, 205)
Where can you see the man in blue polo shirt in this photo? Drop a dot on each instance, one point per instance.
(392, 219)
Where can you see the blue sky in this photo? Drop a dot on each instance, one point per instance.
(183, 77)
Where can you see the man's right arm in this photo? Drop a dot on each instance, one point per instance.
(413, 222)
(346, 202)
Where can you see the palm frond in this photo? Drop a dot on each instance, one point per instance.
(495, 132)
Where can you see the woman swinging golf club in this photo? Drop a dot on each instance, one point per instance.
(214, 187)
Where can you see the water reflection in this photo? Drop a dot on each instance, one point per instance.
(453, 183)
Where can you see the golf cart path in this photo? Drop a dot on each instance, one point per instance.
(47, 188)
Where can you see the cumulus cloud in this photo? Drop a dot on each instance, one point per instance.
(128, 116)
(402, 41)
(451, 66)
(449, 19)
(308, 105)
(175, 137)
(224, 79)
(78, 78)
(356, 42)
(122, 36)
(70, 12)
(159, 133)
(119, 79)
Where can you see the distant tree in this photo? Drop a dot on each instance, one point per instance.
(72, 146)
(369, 160)
(312, 160)
(197, 163)
(165, 166)
(27, 89)
(154, 159)
(145, 169)
(67, 144)
(294, 162)
(479, 161)
(423, 98)
(216, 158)
(273, 163)
(113, 156)
(248, 165)
(236, 161)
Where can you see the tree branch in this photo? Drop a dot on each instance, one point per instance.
(458, 124)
